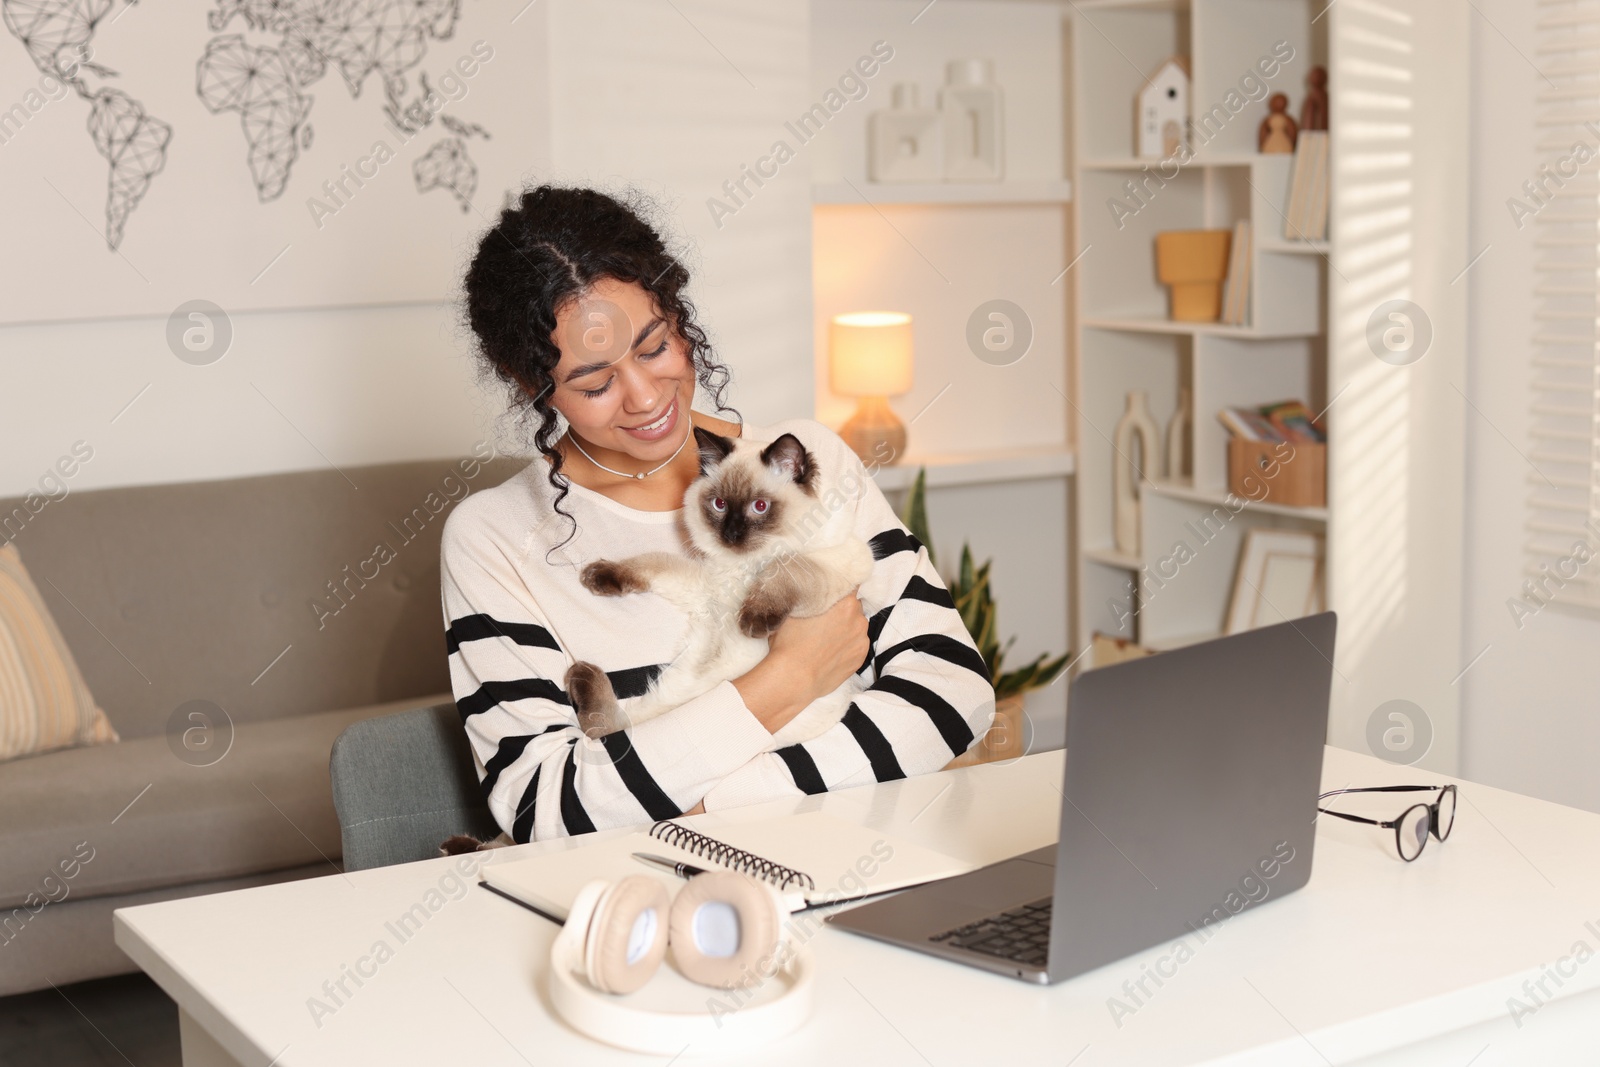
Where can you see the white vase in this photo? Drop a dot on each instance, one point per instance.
(974, 123)
(904, 140)
(1177, 435)
(1138, 443)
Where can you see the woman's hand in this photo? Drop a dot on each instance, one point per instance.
(808, 658)
(823, 651)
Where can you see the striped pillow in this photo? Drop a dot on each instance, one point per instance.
(44, 702)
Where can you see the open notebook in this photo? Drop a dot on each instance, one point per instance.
(811, 858)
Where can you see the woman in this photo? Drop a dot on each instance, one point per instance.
(579, 309)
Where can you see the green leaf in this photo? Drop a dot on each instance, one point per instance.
(1020, 680)
(914, 513)
(975, 606)
(1051, 671)
(1000, 655)
(985, 637)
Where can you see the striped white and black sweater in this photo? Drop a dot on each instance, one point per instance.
(515, 622)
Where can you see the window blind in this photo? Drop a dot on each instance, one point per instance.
(1563, 509)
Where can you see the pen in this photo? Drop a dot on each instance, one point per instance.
(682, 870)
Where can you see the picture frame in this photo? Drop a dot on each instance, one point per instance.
(1279, 578)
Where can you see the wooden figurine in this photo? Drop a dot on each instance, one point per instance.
(1314, 112)
(1278, 131)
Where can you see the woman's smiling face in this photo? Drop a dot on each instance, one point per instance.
(622, 367)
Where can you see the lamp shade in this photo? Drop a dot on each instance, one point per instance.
(869, 353)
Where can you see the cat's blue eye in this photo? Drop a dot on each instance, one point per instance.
(718, 504)
(759, 506)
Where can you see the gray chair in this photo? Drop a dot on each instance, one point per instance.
(402, 783)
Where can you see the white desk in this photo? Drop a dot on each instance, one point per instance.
(1375, 961)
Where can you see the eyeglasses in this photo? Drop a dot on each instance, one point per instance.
(1411, 829)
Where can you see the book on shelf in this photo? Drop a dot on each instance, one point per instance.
(1286, 420)
(1294, 212)
(1236, 289)
(1295, 421)
(1306, 216)
(1317, 209)
(1249, 424)
(1229, 281)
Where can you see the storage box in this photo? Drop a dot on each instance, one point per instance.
(1292, 473)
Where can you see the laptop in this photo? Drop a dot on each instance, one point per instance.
(1189, 797)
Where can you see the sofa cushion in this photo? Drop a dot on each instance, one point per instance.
(134, 816)
(44, 702)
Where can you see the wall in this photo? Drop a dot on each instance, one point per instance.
(677, 97)
(673, 96)
(1529, 706)
(1399, 80)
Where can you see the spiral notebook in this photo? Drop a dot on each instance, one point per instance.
(811, 859)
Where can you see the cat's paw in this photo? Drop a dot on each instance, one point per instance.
(592, 697)
(605, 577)
(759, 616)
(461, 844)
(458, 845)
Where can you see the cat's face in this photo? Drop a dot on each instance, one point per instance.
(747, 495)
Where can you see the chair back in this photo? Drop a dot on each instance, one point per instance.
(404, 782)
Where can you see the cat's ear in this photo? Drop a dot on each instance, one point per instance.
(713, 448)
(788, 457)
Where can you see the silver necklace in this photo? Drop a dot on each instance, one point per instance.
(641, 474)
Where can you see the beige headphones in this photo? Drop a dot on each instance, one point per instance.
(723, 929)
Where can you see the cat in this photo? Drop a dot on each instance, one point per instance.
(764, 547)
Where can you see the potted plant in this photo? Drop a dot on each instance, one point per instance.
(974, 599)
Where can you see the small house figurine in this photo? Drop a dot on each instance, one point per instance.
(1163, 111)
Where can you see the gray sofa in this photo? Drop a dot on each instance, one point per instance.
(209, 591)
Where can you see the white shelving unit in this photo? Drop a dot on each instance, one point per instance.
(1125, 340)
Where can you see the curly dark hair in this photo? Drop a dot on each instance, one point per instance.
(549, 249)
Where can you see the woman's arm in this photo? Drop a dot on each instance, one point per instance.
(929, 694)
(542, 777)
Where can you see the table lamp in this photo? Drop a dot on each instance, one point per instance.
(869, 357)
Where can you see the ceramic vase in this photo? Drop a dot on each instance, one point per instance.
(974, 122)
(1177, 435)
(1137, 439)
(904, 140)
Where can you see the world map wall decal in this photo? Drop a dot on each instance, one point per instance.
(57, 35)
(360, 37)
(259, 68)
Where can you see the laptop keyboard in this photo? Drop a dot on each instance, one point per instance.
(1021, 934)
